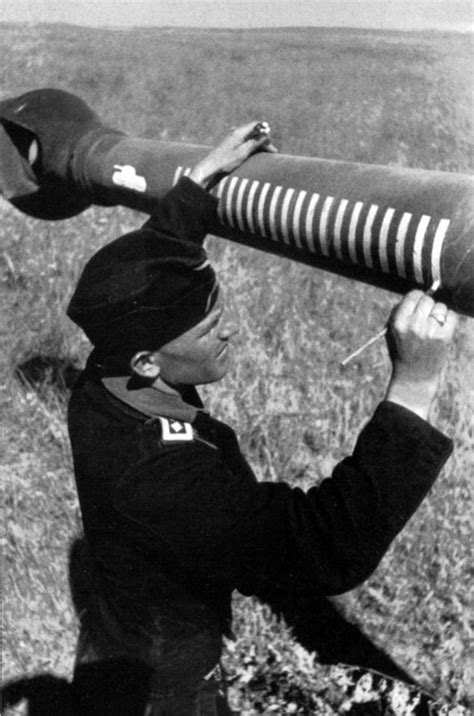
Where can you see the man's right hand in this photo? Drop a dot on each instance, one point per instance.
(231, 153)
(420, 333)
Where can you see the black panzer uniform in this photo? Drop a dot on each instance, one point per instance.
(175, 520)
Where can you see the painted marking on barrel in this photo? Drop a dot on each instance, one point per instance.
(239, 202)
(284, 215)
(338, 227)
(220, 187)
(418, 247)
(438, 241)
(400, 244)
(248, 208)
(228, 202)
(367, 237)
(272, 212)
(383, 238)
(177, 175)
(219, 194)
(323, 225)
(250, 200)
(187, 171)
(296, 218)
(261, 205)
(352, 230)
(126, 175)
(309, 222)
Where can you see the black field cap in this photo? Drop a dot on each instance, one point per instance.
(143, 290)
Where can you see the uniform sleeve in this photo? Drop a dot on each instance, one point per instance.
(185, 212)
(262, 535)
(339, 531)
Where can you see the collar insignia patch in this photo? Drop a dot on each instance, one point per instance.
(175, 431)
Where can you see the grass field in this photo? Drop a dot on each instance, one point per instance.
(391, 98)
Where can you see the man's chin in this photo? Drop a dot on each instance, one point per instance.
(216, 374)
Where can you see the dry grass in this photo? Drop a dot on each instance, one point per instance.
(382, 98)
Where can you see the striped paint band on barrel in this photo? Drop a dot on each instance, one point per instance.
(400, 240)
(177, 175)
(220, 188)
(309, 222)
(181, 171)
(296, 218)
(437, 249)
(250, 203)
(219, 193)
(338, 228)
(305, 237)
(352, 231)
(367, 240)
(261, 208)
(383, 238)
(272, 212)
(323, 225)
(286, 226)
(231, 187)
(418, 247)
(239, 204)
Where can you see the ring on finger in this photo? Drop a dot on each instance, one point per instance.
(440, 316)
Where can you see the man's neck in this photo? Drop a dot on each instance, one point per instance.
(165, 387)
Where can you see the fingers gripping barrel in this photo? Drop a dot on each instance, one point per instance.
(389, 226)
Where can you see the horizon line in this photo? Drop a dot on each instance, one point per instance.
(234, 28)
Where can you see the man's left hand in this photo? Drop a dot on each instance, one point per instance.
(240, 144)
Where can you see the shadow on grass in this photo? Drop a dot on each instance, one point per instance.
(45, 694)
(107, 689)
(42, 372)
(319, 627)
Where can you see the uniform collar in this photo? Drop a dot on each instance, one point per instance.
(152, 401)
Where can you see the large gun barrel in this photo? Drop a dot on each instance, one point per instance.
(393, 227)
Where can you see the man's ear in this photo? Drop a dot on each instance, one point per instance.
(145, 364)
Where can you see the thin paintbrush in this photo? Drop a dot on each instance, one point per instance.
(383, 332)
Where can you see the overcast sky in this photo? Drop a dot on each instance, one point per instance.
(385, 14)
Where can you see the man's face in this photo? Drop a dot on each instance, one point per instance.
(201, 355)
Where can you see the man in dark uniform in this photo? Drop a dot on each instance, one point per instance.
(173, 515)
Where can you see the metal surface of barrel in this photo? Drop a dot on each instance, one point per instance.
(389, 226)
